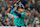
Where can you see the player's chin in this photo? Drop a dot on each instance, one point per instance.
(21, 11)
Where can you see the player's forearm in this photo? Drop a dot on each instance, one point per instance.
(8, 10)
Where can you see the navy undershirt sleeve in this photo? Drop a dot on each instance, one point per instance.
(18, 14)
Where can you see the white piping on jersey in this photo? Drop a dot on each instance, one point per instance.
(16, 17)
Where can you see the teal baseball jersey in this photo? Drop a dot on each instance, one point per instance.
(21, 19)
(18, 21)
(15, 17)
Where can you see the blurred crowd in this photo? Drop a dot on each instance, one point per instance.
(31, 7)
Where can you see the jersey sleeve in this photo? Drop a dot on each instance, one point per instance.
(11, 12)
(23, 14)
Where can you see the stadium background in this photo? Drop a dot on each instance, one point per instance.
(32, 7)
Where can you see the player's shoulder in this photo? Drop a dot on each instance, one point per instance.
(16, 11)
(23, 13)
(11, 11)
